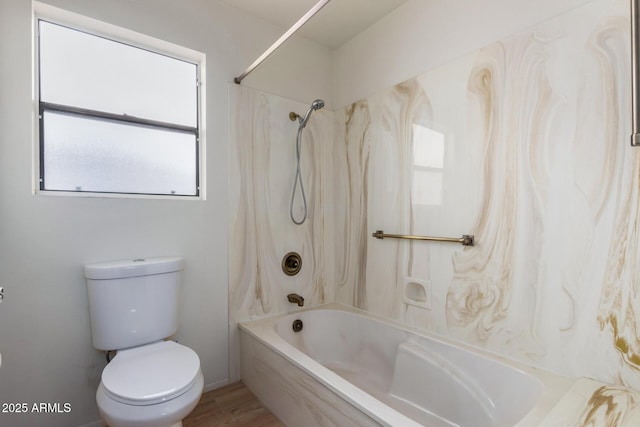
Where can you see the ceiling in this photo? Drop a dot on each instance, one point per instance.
(338, 22)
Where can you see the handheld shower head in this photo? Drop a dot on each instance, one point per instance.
(315, 105)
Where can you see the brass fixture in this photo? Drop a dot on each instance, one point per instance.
(297, 325)
(466, 239)
(293, 116)
(291, 263)
(296, 299)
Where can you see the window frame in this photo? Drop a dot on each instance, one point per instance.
(116, 34)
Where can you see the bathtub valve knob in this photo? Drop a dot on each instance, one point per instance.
(291, 263)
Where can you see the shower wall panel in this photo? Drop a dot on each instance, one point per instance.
(262, 165)
(524, 144)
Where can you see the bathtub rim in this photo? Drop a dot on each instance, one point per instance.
(554, 386)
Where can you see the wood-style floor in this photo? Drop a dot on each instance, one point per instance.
(231, 406)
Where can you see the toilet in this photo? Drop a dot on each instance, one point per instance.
(151, 381)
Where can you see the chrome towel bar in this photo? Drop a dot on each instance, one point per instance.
(466, 239)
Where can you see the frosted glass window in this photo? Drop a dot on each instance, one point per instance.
(86, 154)
(93, 72)
(114, 117)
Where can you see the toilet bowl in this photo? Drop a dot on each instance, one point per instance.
(155, 385)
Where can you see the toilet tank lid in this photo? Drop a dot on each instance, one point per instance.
(132, 267)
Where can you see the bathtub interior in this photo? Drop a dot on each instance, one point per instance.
(430, 381)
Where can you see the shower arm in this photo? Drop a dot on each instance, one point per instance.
(635, 75)
(315, 9)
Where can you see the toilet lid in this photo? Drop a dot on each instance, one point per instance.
(151, 374)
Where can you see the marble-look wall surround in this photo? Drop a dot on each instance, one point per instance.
(262, 165)
(524, 143)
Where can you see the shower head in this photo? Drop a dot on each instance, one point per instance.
(315, 105)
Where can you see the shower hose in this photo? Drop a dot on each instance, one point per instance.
(298, 181)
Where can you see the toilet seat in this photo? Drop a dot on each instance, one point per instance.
(151, 374)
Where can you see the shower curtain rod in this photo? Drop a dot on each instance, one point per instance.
(282, 39)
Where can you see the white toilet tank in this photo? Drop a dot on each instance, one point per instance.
(133, 302)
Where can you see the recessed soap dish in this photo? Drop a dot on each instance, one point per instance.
(417, 293)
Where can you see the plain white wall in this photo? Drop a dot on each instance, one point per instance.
(422, 34)
(45, 338)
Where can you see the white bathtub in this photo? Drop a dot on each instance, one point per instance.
(349, 368)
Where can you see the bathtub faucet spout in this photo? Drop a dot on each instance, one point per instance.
(296, 299)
